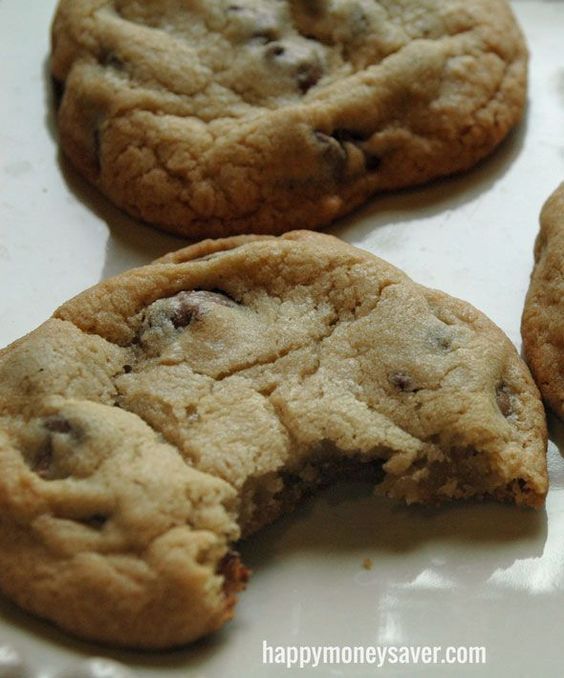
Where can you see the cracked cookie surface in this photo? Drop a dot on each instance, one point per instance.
(165, 412)
(221, 117)
(543, 317)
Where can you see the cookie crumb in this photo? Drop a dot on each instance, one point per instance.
(367, 564)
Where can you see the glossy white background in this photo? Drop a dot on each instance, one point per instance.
(463, 575)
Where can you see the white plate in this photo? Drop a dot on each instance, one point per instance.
(473, 575)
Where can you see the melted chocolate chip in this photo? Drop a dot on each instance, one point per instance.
(42, 461)
(192, 305)
(163, 316)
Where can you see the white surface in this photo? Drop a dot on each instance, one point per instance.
(466, 575)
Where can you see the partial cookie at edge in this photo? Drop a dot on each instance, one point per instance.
(543, 316)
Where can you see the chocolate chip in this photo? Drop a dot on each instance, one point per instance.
(96, 521)
(332, 152)
(183, 313)
(371, 162)
(503, 398)
(308, 75)
(275, 50)
(57, 424)
(301, 63)
(127, 369)
(403, 382)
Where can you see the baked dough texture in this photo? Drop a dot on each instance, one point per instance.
(216, 117)
(543, 318)
(162, 414)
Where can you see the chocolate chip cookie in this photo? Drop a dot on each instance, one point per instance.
(162, 414)
(232, 116)
(543, 318)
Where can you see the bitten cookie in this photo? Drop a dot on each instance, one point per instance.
(221, 117)
(543, 317)
(164, 412)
